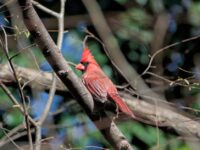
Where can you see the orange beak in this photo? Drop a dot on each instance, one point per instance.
(80, 67)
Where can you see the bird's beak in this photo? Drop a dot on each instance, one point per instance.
(80, 67)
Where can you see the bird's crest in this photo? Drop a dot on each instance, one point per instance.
(87, 56)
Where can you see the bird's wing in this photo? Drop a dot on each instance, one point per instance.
(98, 87)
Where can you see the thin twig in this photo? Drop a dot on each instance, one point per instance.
(16, 136)
(71, 63)
(24, 49)
(5, 4)
(11, 132)
(7, 136)
(15, 102)
(35, 75)
(49, 102)
(165, 48)
(61, 24)
(59, 16)
(45, 113)
(5, 48)
(175, 82)
(45, 9)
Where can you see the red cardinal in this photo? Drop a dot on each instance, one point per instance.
(98, 84)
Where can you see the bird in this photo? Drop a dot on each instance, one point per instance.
(98, 84)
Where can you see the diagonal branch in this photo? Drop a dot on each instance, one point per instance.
(113, 49)
(45, 9)
(21, 93)
(68, 77)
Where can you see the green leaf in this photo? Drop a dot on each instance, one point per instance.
(144, 59)
(133, 55)
(13, 117)
(194, 12)
(27, 34)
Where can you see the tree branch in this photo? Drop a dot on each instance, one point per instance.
(181, 123)
(32, 78)
(45, 9)
(45, 114)
(113, 50)
(68, 77)
(21, 93)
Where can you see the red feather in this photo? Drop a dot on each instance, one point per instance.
(98, 84)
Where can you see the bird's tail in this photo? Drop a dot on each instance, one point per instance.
(121, 104)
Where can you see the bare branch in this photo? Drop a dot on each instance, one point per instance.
(113, 49)
(34, 78)
(5, 49)
(65, 73)
(165, 116)
(45, 9)
(49, 102)
(16, 136)
(7, 136)
(60, 16)
(165, 48)
(45, 113)
(15, 102)
(61, 24)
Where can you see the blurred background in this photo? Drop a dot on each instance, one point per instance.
(141, 28)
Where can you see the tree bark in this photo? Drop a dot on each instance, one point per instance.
(68, 77)
(163, 116)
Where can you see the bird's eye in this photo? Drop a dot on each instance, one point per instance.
(85, 63)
